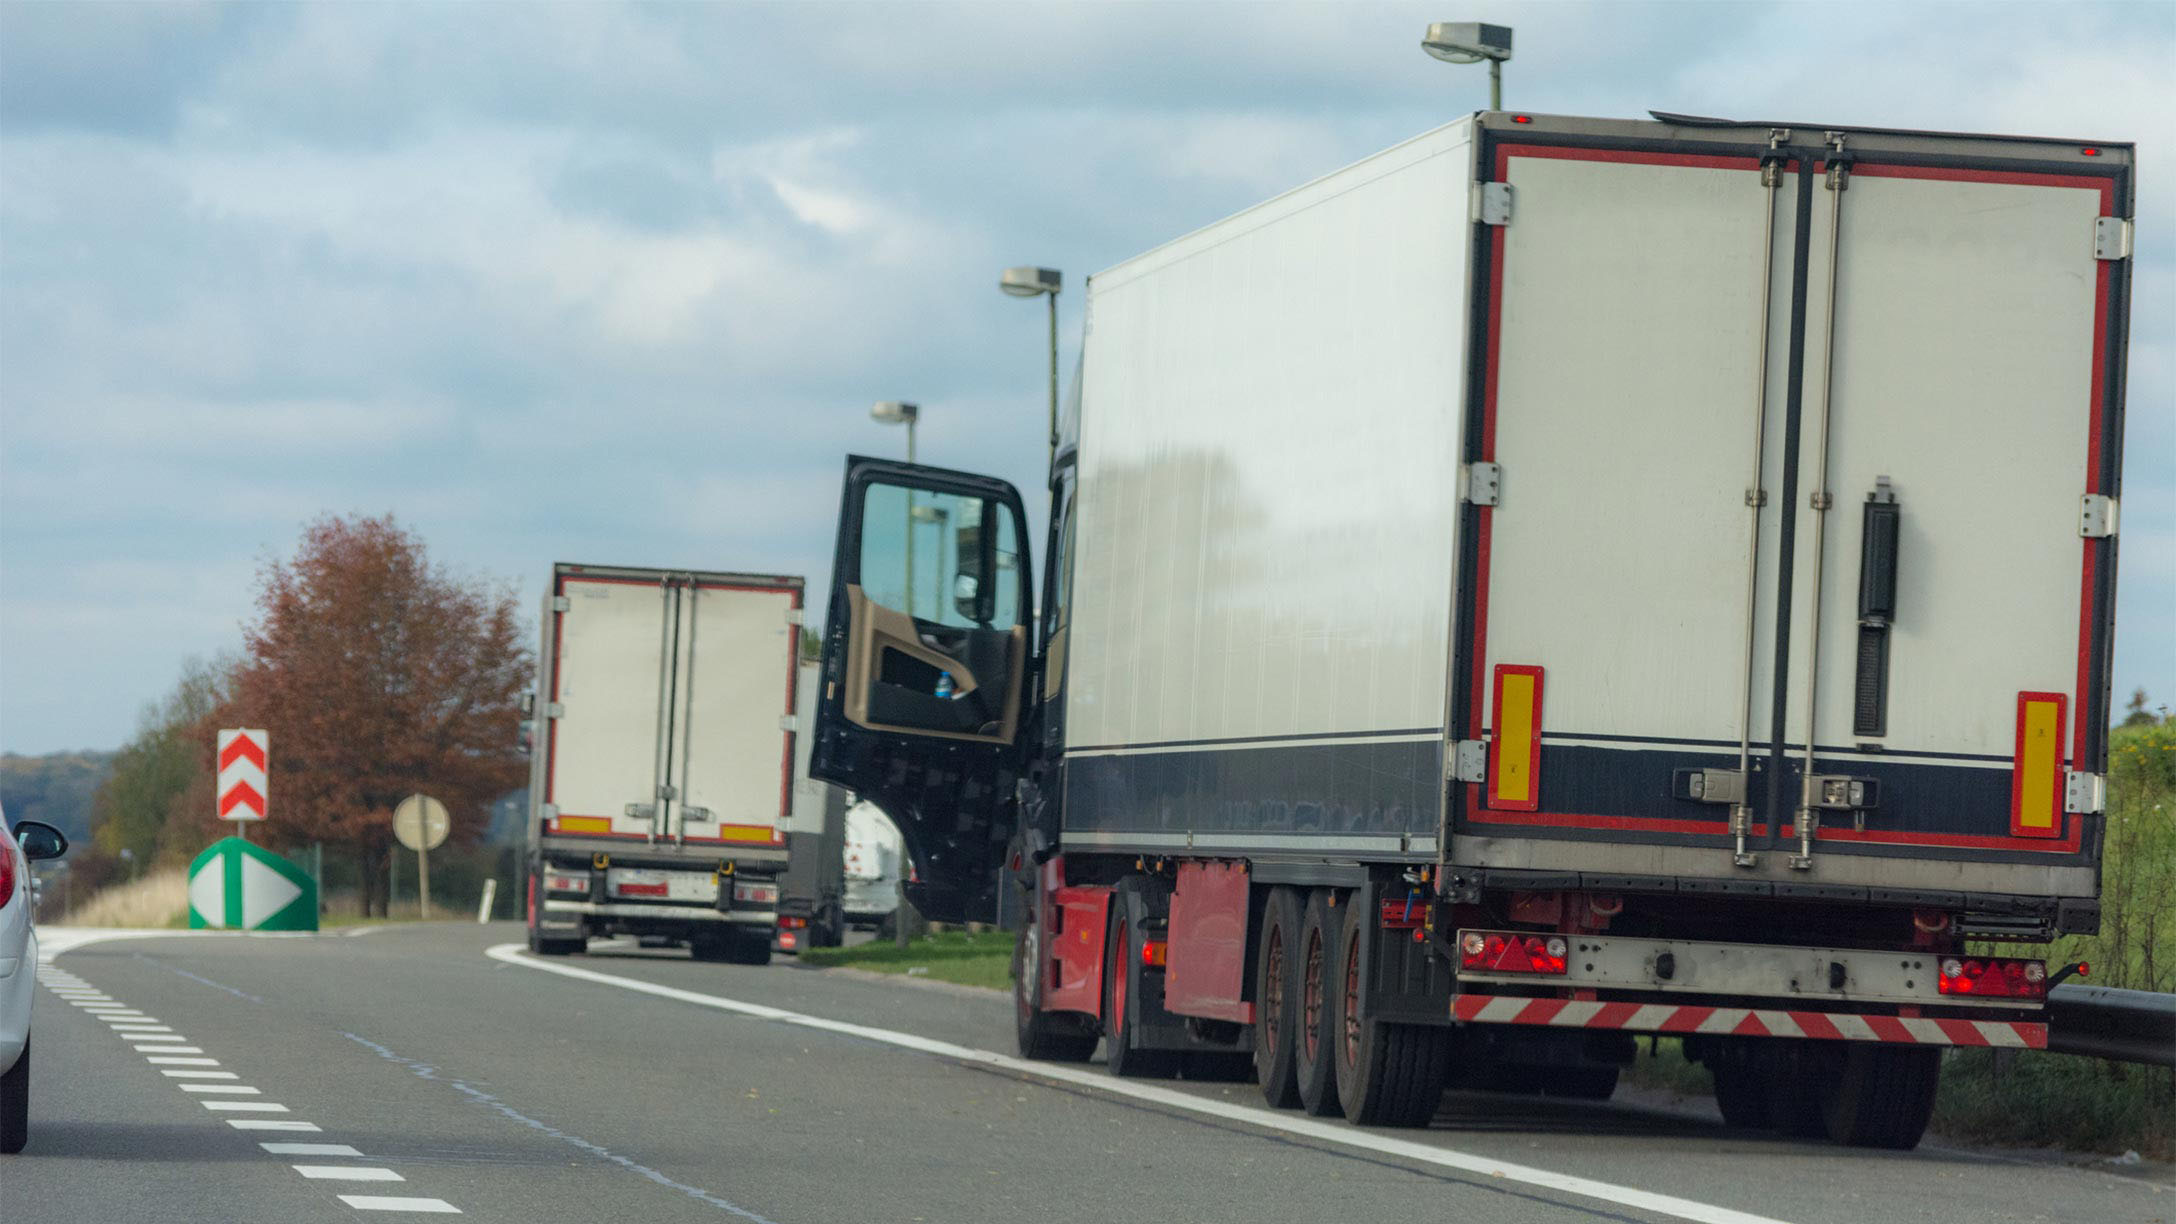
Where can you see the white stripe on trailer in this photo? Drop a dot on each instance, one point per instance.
(1780, 1024)
(1998, 1033)
(1575, 1014)
(1926, 1031)
(1853, 1028)
(1503, 1009)
(1723, 1020)
(1652, 1016)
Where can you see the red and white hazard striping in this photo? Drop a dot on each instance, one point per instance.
(1749, 1022)
(242, 767)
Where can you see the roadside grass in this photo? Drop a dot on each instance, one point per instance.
(156, 899)
(969, 959)
(2060, 1100)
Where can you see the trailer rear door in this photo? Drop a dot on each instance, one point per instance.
(673, 694)
(1683, 512)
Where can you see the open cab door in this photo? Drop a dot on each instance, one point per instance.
(924, 670)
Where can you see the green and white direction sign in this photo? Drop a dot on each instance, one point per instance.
(235, 885)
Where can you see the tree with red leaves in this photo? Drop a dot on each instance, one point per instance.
(379, 675)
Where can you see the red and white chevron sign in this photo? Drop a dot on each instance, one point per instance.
(242, 786)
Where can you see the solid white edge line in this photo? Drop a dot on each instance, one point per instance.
(382, 1202)
(348, 1173)
(1324, 1132)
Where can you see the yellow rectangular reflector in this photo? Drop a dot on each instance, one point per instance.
(1515, 752)
(584, 824)
(2036, 786)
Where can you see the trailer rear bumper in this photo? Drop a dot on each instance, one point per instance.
(557, 913)
(1677, 1019)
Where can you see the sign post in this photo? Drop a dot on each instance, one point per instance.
(243, 776)
(421, 824)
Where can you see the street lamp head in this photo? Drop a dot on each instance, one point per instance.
(1029, 282)
(895, 412)
(1467, 42)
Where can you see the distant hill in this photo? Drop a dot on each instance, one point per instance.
(55, 788)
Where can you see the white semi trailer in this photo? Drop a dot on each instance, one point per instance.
(663, 769)
(1554, 581)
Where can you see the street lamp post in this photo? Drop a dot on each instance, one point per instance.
(899, 412)
(1470, 42)
(1041, 282)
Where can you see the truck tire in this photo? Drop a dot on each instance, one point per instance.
(554, 947)
(1883, 1097)
(1315, 1034)
(1042, 1035)
(15, 1104)
(1121, 990)
(1276, 999)
(1387, 1074)
(1741, 1093)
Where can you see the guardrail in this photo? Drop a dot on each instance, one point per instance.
(2103, 1022)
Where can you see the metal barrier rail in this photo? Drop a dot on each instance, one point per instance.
(2103, 1022)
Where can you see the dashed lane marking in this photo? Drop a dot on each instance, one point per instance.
(251, 1106)
(309, 1149)
(347, 1173)
(272, 1124)
(206, 1075)
(1334, 1134)
(384, 1202)
(227, 1089)
(163, 1060)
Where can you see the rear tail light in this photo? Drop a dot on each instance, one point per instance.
(7, 870)
(1511, 952)
(1153, 953)
(792, 923)
(566, 881)
(757, 894)
(1990, 978)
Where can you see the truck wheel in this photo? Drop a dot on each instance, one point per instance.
(1120, 999)
(1043, 1035)
(554, 947)
(1580, 1083)
(745, 948)
(1883, 1097)
(15, 1104)
(1387, 1074)
(1741, 1092)
(1276, 999)
(1316, 1034)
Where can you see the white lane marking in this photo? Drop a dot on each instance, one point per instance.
(273, 1124)
(251, 1106)
(347, 1173)
(309, 1149)
(1323, 1132)
(229, 1089)
(112, 1010)
(384, 1202)
(165, 1061)
(169, 1049)
(208, 1075)
(162, 1033)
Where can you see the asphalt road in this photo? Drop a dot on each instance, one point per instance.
(433, 1069)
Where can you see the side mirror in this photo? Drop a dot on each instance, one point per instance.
(40, 841)
(967, 597)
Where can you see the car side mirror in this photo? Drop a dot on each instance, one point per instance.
(40, 841)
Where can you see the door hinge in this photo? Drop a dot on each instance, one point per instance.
(791, 722)
(1492, 203)
(2085, 793)
(794, 616)
(548, 811)
(1480, 483)
(2111, 237)
(1469, 763)
(2096, 516)
(561, 603)
(555, 709)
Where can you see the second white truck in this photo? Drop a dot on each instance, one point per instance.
(664, 759)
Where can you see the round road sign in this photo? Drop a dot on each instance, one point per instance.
(420, 822)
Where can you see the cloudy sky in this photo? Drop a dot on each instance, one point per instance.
(617, 284)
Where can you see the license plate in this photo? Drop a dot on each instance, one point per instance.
(654, 884)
